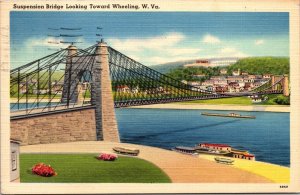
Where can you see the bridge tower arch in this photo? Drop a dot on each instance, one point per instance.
(283, 81)
(101, 89)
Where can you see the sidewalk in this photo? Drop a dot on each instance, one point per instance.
(180, 168)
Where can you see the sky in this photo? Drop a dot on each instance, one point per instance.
(153, 37)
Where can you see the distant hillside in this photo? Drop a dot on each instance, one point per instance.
(167, 67)
(213, 62)
(262, 65)
(252, 65)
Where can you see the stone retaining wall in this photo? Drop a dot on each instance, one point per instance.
(75, 125)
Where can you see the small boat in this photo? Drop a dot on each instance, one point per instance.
(210, 151)
(234, 115)
(126, 151)
(224, 160)
(185, 150)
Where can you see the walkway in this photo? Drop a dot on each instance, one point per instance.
(180, 168)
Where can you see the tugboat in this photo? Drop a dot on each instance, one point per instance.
(234, 115)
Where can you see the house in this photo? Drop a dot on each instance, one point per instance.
(23, 88)
(41, 91)
(184, 81)
(194, 83)
(248, 86)
(199, 75)
(123, 89)
(208, 82)
(223, 71)
(234, 87)
(221, 89)
(217, 78)
(236, 73)
(258, 98)
(267, 76)
(210, 88)
(135, 89)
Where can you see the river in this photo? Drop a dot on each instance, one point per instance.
(267, 136)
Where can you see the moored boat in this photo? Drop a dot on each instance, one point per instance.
(214, 149)
(224, 150)
(224, 160)
(126, 151)
(185, 150)
(234, 115)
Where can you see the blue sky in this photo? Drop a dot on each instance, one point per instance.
(154, 37)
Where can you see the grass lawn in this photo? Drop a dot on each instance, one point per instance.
(234, 100)
(85, 168)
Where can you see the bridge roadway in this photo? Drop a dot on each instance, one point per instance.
(136, 102)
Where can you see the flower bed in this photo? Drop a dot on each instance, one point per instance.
(44, 170)
(107, 157)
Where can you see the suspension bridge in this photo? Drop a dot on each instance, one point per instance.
(101, 78)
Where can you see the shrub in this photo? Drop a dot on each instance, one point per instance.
(107, 157)
(44, 170)
(282, 100)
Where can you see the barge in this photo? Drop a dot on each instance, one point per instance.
(234, 115)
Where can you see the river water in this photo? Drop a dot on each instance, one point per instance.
(267, 136)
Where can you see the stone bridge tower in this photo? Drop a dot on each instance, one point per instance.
(283, 81)
(101, 89)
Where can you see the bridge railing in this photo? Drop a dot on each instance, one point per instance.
(39, 86)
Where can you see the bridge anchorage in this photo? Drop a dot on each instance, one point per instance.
(78, 103)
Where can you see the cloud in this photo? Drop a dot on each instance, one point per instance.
(183, 51)
(51, 42)
(152, 43)
(230, 52)
(259, 42)
(156, 49)
(211, 39)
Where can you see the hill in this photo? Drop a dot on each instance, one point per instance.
(252, 65)
(262, 65)
(167, 67)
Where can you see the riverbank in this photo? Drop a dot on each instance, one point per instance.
(255, 108)
(276, 173)
(180, 168)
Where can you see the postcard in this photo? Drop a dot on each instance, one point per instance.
(101, 97)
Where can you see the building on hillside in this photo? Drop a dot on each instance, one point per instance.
(258, 98)
(123, 89)
(267, 76)
(221, 89)
(184, 81)
(212, 62)
(199, 76)
(248, 86)
(194, 83)
(223, 71)
(236, 72)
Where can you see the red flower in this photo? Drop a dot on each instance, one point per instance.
(107, 157)
(43, 170)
